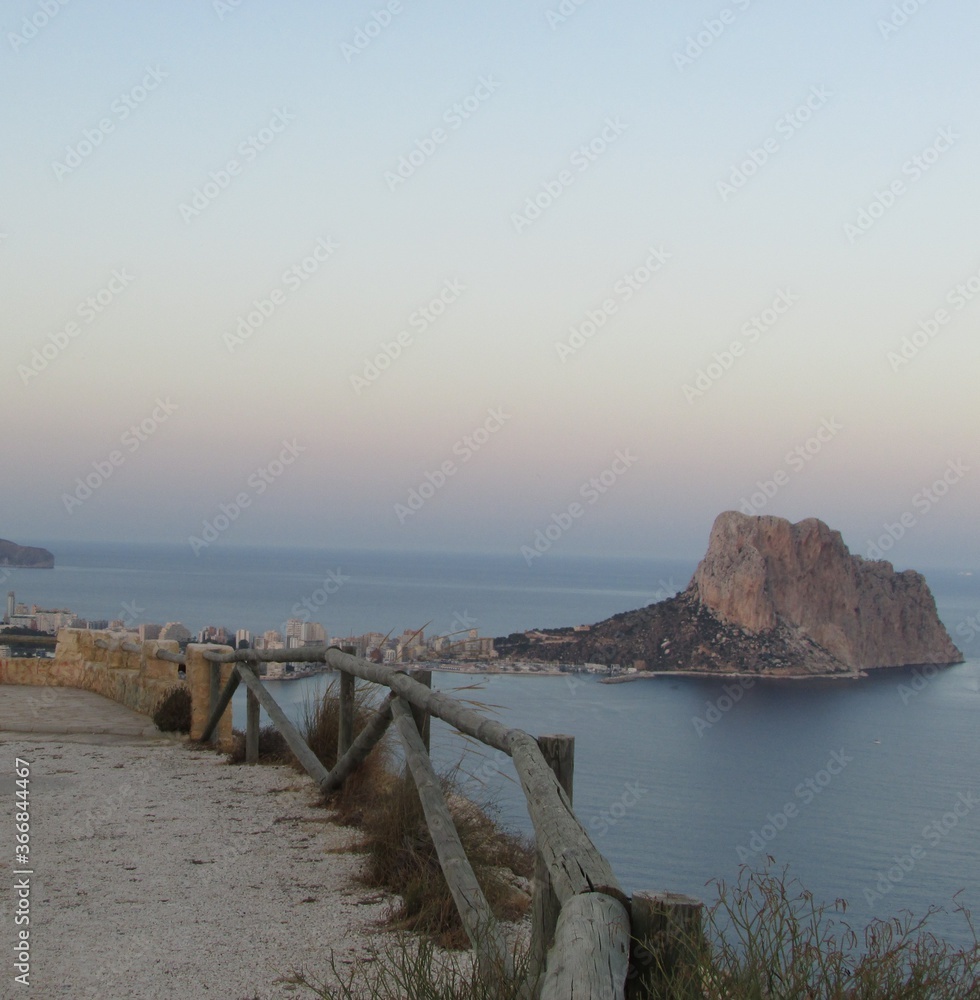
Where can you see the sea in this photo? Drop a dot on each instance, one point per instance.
(863, 790)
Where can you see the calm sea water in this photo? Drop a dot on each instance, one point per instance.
(868, 790)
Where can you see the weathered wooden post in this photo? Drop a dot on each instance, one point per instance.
(214, 688)
(668, 945)
(252, 710)
(422, 718)
(559, 753)
(345, 709)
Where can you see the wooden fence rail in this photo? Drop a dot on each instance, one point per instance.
(589, 940)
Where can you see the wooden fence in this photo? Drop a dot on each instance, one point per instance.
(588, 939)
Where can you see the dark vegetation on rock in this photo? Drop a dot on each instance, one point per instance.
(24, 556)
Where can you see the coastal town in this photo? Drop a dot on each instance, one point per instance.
(462, 650)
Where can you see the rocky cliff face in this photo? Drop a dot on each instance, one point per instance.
(768, 597)
(763, 572)
(25, 556)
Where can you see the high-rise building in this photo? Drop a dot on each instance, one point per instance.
(313, 634)
(271, 639)
(11, 604)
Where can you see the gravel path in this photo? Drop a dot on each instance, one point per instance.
(163, 872)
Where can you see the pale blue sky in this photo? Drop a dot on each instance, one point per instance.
(221, 73)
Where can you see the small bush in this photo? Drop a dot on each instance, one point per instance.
(767, 939)
(173, 713)
(273, 748)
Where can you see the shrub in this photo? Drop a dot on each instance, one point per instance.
(173, 713)
(273, 748)
(767, 939)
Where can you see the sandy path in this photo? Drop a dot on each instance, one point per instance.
(163, 872)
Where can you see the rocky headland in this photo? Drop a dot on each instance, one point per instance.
(769, 597)
(25, 556)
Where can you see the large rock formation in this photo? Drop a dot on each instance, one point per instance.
(772, 597)
(763, 572)
(24, 556)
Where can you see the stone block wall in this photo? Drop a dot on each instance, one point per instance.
(199, 672)
(137, 680)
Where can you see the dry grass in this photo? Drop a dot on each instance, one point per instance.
(768, 939)
(273, 748)
(400, 856)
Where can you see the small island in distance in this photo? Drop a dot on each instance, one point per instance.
(768, 598)
(25, 556)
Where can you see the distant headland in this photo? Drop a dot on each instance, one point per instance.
(769, 597)
(25, 556)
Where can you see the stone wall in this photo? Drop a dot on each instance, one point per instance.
(199, 679)
(136, 680)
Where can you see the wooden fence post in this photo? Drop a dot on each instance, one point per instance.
(489, 944)
(214, 688)
(252, 710)
(422, 718)
(345, 721)
(559, 753)
(667, 946)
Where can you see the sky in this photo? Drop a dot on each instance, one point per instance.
(520, 277)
